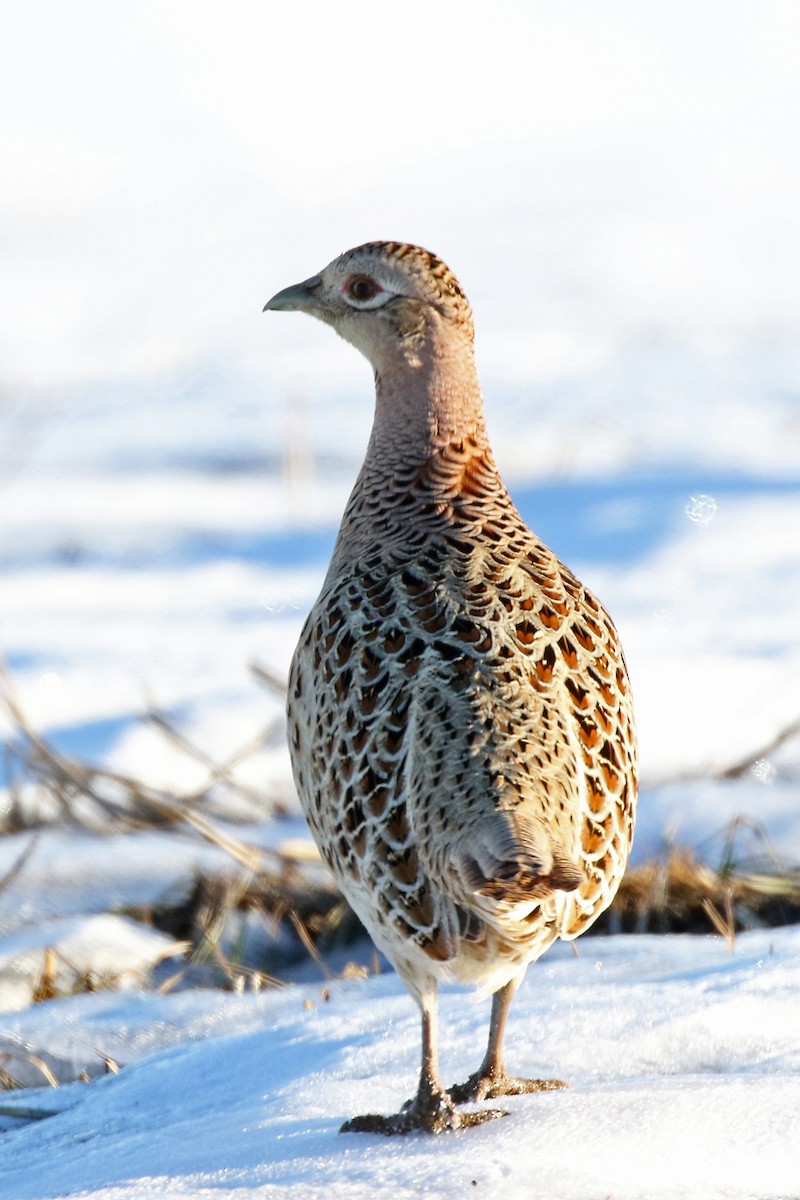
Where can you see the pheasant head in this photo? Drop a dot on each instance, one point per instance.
(390, 300)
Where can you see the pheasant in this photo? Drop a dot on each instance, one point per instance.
(459, 711)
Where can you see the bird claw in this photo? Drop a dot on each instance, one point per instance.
(483, 1086)
(437, 1117)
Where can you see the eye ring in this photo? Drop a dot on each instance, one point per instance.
(362, 288)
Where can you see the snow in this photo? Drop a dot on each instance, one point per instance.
(682, 1059)
(173, 468)
(114, 951)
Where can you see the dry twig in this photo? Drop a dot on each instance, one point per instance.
(736, 770)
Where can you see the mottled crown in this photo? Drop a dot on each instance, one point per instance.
(434, 278)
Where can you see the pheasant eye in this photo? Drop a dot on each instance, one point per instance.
(361, 287)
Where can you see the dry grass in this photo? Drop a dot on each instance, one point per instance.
(46, 787)
(679, 894)
(297, 907)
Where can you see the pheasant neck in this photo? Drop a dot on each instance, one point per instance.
(425, 403)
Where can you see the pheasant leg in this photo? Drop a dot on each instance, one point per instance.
(491, 1079)
(432, 1109)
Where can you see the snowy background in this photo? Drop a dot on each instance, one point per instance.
(618, 189)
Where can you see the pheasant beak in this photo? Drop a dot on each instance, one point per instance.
(299, 297)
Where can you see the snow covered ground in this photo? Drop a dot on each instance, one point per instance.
(173, 467)
(683, 1062)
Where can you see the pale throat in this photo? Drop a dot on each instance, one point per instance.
(426, 401)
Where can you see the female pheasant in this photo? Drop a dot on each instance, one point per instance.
(459, 712)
